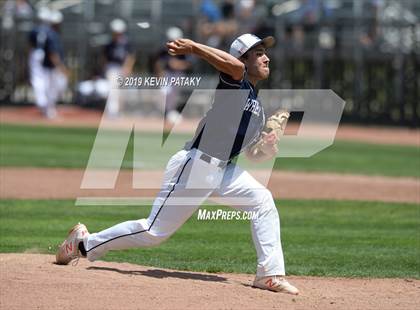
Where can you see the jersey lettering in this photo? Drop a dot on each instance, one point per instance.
(253, 106)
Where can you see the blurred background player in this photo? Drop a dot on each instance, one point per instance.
(168, 66)
(120, 60)
(55, 69)
(37, 73)
(48, 73)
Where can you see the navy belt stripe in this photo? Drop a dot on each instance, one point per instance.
(163, 204)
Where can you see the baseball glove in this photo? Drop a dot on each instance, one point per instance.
(277, 123)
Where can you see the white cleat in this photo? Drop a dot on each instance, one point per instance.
(275, 284)
(69, 249)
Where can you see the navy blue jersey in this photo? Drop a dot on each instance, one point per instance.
(117, 51)
(53, 45)
(38, 36)
(234, 122)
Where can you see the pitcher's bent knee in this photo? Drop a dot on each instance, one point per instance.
(265, 198)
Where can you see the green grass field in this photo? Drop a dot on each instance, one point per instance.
(36, 146)
(323, 238)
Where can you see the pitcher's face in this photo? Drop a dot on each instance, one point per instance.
(257, 63)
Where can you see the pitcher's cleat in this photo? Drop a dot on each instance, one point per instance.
(276, 284)
(69, 249)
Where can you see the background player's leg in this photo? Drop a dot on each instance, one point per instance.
(167, 215)
(51, 93)
(112, 107)
(39, 81)
(39, 85)
(60, 83)
(240, 186)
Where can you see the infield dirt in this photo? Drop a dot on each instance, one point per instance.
(33, 281)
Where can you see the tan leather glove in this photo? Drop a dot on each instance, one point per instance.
(262, 150)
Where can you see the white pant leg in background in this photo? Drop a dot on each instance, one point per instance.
(168, 212)
(113, 103)
(50, 110)
(38, 78)
(239, 184)
(59, 84)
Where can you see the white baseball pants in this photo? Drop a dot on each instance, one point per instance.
(190, 179)
(38, 77)
(48, 84)
(113, 103)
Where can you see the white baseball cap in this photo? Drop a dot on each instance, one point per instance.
(56, 17)
(245, 42)
(44, 14)
(118, 26)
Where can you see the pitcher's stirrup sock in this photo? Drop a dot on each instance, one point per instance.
(82, 249)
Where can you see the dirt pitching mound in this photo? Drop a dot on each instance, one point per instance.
(33, 281)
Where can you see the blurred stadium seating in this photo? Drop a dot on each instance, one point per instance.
(367, 51)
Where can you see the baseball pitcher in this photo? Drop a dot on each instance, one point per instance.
(234, 124)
